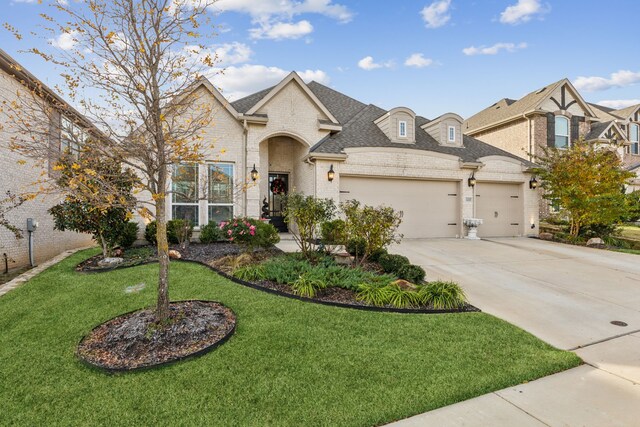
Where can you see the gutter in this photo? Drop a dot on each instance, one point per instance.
(245, 131)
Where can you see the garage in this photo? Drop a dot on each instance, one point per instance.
(501, 208)
(430, 208)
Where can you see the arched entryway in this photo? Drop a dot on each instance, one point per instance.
(283, 170)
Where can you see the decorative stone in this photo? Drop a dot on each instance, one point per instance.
(135, 288)
(117, 252)
(405, 286)
(173, 254)
(545, 236)
(343, 258)
(110, 262)
(472, 227)
(595, 242)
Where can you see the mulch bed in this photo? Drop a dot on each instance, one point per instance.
(135, 341)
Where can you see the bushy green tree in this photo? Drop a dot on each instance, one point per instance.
(376, 226)
(85, 179)
(586, 180)
(305, 214)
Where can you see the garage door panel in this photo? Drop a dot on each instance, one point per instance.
(501, 208)
(430, 208)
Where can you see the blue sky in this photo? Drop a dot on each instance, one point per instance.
(431, 56)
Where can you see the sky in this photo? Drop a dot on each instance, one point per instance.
(431, 56)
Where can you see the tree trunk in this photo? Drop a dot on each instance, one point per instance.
(162, 308)
(103, 245)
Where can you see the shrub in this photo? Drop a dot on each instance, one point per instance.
(150, 232)
(356, 247)
(179, 231)
(401, 298)
(442, 295)
(376, 226)
(374, 294)
(211, 233)
(304, 214)
(250, 273)
(391, 263)
(129, 234)
(250, 232)
(305, 286)
(375, 255)
(333, 232)
(412, 273)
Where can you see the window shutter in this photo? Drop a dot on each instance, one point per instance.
(574, 134)
(551, 130)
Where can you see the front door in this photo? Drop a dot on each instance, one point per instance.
(278, 189)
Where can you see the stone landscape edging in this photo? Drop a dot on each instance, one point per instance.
(198, 353)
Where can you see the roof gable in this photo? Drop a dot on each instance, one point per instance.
(609, 131)
(292, 77)
(204, 82)
(630, 113)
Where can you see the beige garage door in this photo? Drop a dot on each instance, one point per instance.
(430, 208)
(501, 208)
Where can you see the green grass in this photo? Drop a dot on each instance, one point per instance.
(290, 363)
(628, 251)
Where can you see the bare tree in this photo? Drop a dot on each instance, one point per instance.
(132, 70)
(8, 203)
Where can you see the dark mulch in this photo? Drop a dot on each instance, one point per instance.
(135, 340)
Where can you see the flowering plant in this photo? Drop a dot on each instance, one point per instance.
(250, 232)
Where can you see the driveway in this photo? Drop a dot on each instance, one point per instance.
(566, 295)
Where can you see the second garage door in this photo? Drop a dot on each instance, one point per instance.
(430, 208)
(500, 207)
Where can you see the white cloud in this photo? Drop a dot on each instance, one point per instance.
(418, 60)
(65, 41)
(281, 30)
(437, 13)
(239, 81)
(620, 78)
(619, 103)
(264, 10)
(493, 50)
(523, 11)
(232, 53)
(367, 63)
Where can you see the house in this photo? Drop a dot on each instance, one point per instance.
(312, 139)
(555, 116)
(16, 85)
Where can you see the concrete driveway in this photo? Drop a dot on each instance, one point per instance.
(565, 295)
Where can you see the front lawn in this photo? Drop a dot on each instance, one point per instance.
(289, 362)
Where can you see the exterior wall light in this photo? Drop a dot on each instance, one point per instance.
(331, 174)
(472, 180)
(533, 183)
(254, 173)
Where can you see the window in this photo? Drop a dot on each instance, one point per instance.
(220, 189)
(452, 134)
(184, 187)
(402, 129)
(633, 137)
(562, 132)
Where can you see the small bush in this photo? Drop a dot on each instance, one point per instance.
(129, 234)
(374, 294)
(442, 295)
(375, 255)
(393, 263)
(211, 233)
(250, 232)
(401, 298)
(356, 247)
(333, 232)
(251, 273)
(306, 286)
(178, 231)
(412, 273)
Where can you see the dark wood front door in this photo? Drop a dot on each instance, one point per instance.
(278, 189)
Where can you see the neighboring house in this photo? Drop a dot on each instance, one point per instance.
(555, 116)
(314, 140)
(15, 86)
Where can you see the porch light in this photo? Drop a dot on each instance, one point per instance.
(331, 174)
(254, 173)
(533, 183)
(472, 180)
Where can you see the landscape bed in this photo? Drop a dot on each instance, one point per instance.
(289, 363)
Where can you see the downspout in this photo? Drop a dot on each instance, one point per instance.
(245, 131)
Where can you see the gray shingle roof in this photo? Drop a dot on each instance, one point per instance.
(508, 108)
(597, 129)
(243, 105)
(602, 112)
(625, 113)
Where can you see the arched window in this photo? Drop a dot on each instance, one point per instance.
(562, 132)
(633, 137)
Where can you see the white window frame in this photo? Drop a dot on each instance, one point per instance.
(556, 134)
(233, 180)
(197, 203)
(635, 144)
(402, 129)
(449, 138)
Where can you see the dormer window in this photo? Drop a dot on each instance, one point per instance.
(634, 133)
(451, 134)
(562, 132)
(402, 129)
